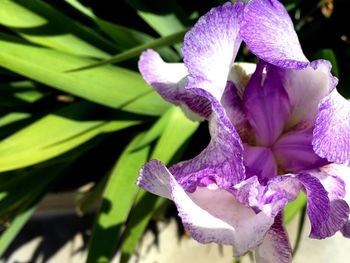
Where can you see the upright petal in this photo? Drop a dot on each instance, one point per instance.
(266, 105)
(210, 215)
(210, 48)
(169, 80)
(331, 138)
(275, 247)
(306, 88)
(269, 33)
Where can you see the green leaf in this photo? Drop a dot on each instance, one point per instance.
(156, 130)
(39, 23)
(117, 201)
(293, 208)
(136, 51)
(53, 135)
(13, 117)
(145, 205)
(124, 37)
(109, 85)
(11, 232)
(164, 23)
(86, 200)
(178, 130)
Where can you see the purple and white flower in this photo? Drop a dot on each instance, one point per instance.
(276, 128)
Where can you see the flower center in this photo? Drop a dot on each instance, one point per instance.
(262, 118)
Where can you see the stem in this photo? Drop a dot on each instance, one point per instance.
(300, 230)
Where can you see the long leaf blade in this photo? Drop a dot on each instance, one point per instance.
(116, 202)
(110, 86)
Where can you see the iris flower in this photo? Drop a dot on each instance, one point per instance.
(277, 128)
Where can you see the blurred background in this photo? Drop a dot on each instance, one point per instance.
(77, 121)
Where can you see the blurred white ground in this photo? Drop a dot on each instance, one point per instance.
(171, 249)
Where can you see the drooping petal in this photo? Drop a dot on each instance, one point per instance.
(222, 159)
(342, 172)
(306, 88)
(294, 151)
(210, 48)
(169, 80)
(210, 215)
(275, 247)
(259, 161)
(269, 33)
(266, 105)
(318, 205)
(339, 209)
(331, 138)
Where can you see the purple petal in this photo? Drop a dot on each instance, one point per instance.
(169, 80)
(306, 88)
(210, 215)
(275, 247)
(154, 177)
(266, 105)
(339, 209)
(318, 206)
(332, 129)
(259, 161)
(271, 198)
(223, 157)
(294, 151)
(210, 48)
(268, 31)
(343, 173)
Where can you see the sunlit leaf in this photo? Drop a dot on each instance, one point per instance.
(16, 225)
(293, 208)
(136, 51)
(117, 201)
(40, 23)
(53, 135)
(109, 85)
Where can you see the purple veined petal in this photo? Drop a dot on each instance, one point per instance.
(169, 80)
(211, 46)
(275, 247)
(209, 214)
(269, 199)
(294, 152)
(269, 33)
(306, 88)
(259, 161)
(266, 104)
(318, 206)
(331, 136)
(339, 209)
(222, 159)
(342, 172)
(278, 192)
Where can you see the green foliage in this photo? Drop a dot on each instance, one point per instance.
(64, 103)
